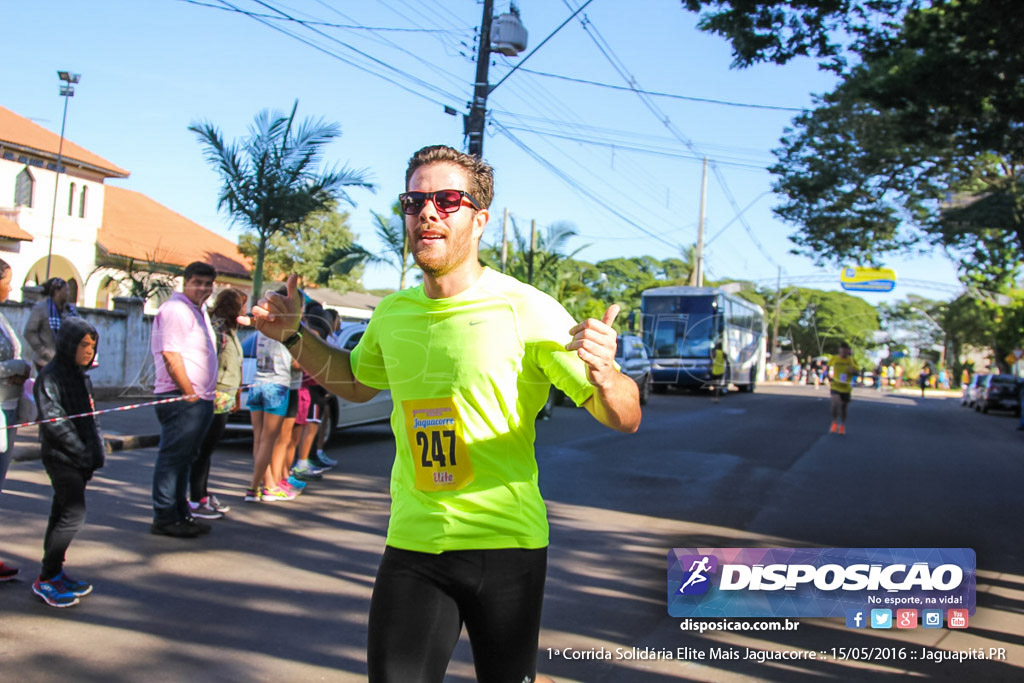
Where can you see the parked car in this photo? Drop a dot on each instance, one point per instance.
(340, 413)
(970, 389)
(998, 392)
(631, 355)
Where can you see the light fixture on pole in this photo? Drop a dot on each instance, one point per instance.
(67, 90)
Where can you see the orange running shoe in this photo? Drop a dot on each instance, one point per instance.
(842, 429)
(833, 428)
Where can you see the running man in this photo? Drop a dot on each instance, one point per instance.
(844, 369)
(469, 357)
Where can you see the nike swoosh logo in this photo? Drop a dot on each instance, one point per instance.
(476, 322)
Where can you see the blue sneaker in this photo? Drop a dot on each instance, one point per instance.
(77, 588)
(323, 460)
(296, 483)
(53, 593)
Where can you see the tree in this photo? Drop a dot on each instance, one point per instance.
(271, 179)
(309, 250)
(391, 231)
(536, 264)
(921, 144)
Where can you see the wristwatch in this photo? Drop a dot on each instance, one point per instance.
(294, 339)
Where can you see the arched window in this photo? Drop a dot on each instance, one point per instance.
(81, 202)
(24, 186)
(71, 200)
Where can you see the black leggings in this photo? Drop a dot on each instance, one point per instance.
(67, 514)
(421, 600)
(199, 475)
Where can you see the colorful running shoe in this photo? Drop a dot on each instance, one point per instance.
(7, 572)
(833, 429)
(53, 593)
(842, 429)
(294, 483)
(77, 588)
(276, 494)
(253, 495)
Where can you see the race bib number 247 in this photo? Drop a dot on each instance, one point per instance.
(439, 455)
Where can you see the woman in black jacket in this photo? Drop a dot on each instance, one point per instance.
(71, 451)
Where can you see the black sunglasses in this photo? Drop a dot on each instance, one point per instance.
(446, 201)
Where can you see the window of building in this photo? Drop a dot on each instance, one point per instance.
(81, 201)
(24, 186)
(71, 200)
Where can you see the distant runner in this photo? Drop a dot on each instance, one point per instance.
(844, 369)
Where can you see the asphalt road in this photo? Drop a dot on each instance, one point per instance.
(280, 591)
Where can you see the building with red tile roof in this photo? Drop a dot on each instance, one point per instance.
(95, 229)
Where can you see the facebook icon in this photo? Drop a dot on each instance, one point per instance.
(856, 618)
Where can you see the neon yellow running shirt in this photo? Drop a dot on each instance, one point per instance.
(468, 375)
(843, 370)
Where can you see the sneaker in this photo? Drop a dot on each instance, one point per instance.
(295, 483)
(77, 588)
(833, 429)
(252, 495)
(7, 572)
(176, 530)
(307, 470)
(205, 511)
(323, 459)
(842, 429)
(53, 593)
(276, 494)
(200, 527)
(212, 501)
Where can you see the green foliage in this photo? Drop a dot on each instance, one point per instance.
(390, 229)
(271, 180)
(309, 250)
(815, 321)
(921, 144)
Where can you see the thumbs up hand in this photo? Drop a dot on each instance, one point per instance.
(594, 342)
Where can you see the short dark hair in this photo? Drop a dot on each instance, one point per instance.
(199, 269)
(479, 172)
(54, 284)
(4, 267)
(844, 345)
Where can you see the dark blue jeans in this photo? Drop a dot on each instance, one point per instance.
(182, 427)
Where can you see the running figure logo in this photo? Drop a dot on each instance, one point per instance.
(698, 567)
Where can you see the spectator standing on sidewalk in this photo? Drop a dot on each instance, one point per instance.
(45, 319)
(185, 359)
(227, 308)
(13, 373)
(71, 451)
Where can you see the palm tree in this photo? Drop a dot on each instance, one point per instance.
(271, 179)
(391, 231)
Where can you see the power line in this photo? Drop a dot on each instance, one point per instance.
(602, 201)
(630, 148)
(690, 98)
(609, 54)
(312, 22)
(350, 62)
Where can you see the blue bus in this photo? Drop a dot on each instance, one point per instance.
(681, 326)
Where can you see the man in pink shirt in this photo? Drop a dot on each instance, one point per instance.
(185, 359)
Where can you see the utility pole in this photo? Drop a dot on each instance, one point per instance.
(533, 248)
(504, 242)
(473, 123)
(778, 308)
(700, 226)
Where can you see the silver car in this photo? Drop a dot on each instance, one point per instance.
(340, 413)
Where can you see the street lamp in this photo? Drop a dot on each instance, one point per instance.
(67, 90)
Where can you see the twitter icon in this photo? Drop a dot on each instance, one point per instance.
(881, 618)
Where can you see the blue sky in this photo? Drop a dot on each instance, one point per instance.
(149, 69)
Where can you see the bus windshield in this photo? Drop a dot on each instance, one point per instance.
(683, 327)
